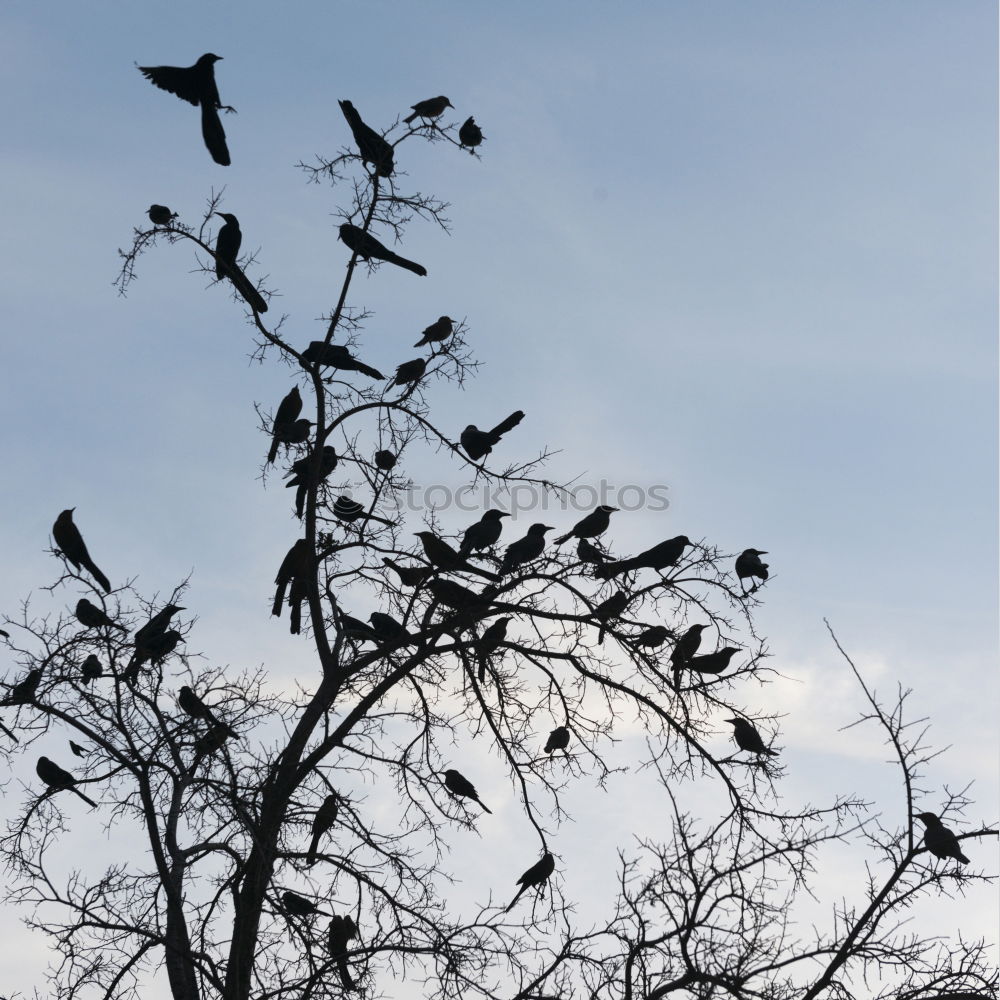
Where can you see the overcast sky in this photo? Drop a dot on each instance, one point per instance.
(746, 251)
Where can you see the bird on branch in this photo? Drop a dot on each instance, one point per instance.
(57, 779)
(70, 543)
(611, 608)
(440, 329)
(661, 556)
(91, 669)
(374, 149)
(525, 549)
(488, 643)
(939, 840)
(594, 524)
(323, 821)
(288, 410)
(338, 356)
(478, 444)
(409, 576)
(299, 906)
(748, 564)
(484, 533)
(301, 475)
(342, 930)
(558, 740)
(91, 616)
(409, 372)
(368, 248)
(443, 556)
(433, 107)
(470, 134)
(537, 875)
(747, 738)
(23, 692)
(458, 784)
(227, 248)
(160, 215)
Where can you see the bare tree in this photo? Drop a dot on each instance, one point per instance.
(264, 876)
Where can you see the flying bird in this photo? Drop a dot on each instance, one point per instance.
(433, 107)
(939, 840)
(368, 248)
(537, 874)
(747, 738)
(478, 444)
(196, 85)
(70, 543)
(374, 149)
(440, 329)
(470, 133)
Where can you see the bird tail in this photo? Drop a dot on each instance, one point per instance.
(606, 571)
(422, 341)
(509, 424)
(481, 676)
(351, 114)
(485, 806)
(411, 118)
(961, 857)
(244, 286)
(98, 576)
(273, 452)
(371, 372)
(410, 265)
(295, 625)
(300, 500)
(9, 733)
(518, 895)
(313, 845)
(279, 599)
(565, 538)
(85, 798)
(345, 975)
(214, 134)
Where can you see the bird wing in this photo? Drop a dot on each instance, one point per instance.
(178, 80)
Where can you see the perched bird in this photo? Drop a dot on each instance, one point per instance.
(458, 784)
(347, 510)
(342, 929)
(153, 642)
(160, 215)
(23, 692)
(524, 549)
(488, 643)
(196, 85)
(409, 372)
(227, 248)
(594, 524)
(484, 533)
(296, 564)
(440, 329)
(433, 107)
(470, 133)
(301, 474)
(157, 625)
(322, 822)
(194, 706)
(443, 556)
(91, 669)
(368, 248)
(588, 553)
(409, 576)
(57, 779)
(77, 749)
(687, 645)
(558, 740)
(385, 460)
(299, 906)
(338, 356)
(71, 545)
(92, 616)
(374, 149)
(658, 557)
(611, 608)
(213, 740)
(387, 629)
(747, 738)
(939, 840)
(711, 663)
(652, 637)
(478, 444)
(748, 564)
(458, 598)
(537, 874)
(356, 629)
(287, 413)
(158, 647)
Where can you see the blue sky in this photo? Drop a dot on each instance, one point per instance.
(744, 250)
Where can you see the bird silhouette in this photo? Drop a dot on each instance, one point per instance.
(342, 930)
(433, 107)
(470, 133)
(588, 553)
(195, 707)
(478, 444)
(338, 356)
(299, 906)
(440, 329)
(409, 576)
(594, 524)
(368, 248)
(153, 642)
(23, 692)
(488, 643)
(374, 149)
(347, 510)
(322, 822)
(57, 779)
(661, 556)
(711, 663)
(213, 740)
(609, 609)
(385, 460)
(70, 543)
(227, 248)
(91, 669)
(410, 371)
(458, 598)
(387, 629)
(160, 215)
(537, 874)
(748, 564)
(652, 637)
(287, 413)
(558, 740)
(77, 749)
(92, 616)
(939, 840)
(484, 533)
(296, 564)
(458, 784)
(302, 474)
(747, 738)
(196, 85)
(525, 549)
(442, 555)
